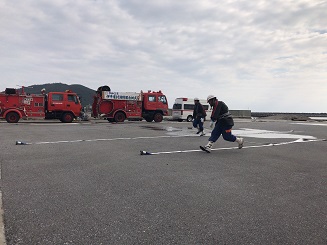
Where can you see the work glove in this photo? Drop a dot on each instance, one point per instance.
(202, 119)
(211, 124)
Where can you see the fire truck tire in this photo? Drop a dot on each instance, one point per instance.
(189, 118)
(120, 117)
(67, 117)
(12, 117)
(158, 117)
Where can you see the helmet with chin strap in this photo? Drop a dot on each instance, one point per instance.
(210, 97)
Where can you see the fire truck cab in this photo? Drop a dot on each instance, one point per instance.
(64, 106)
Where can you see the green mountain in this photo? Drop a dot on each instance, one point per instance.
(85, 94)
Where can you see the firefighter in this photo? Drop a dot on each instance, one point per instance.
(222, 121)
(198, 116)
(45, 99)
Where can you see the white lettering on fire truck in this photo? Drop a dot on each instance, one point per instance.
(121, 95)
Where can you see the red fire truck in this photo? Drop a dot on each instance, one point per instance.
(15, 105)
(117, 106)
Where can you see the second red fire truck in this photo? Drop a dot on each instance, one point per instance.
(118, 106)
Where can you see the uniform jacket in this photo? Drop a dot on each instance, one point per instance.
(220, 113)
(199, 111)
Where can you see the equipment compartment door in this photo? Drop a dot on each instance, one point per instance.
(133, 108)
(34, 106)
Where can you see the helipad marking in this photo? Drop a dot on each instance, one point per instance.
(268, 134)
(258, 133)
(232, 148)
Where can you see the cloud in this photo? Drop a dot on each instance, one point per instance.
(248, 53)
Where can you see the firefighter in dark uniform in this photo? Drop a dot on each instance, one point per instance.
(199, 115)
(223, 122)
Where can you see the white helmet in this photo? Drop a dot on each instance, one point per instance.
(196, 98)
(210, 97)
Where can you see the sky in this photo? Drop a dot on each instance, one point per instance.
(263, 55)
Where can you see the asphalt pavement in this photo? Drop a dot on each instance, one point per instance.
(86, 183)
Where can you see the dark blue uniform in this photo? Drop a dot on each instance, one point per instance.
(198, 114)
(224, 122)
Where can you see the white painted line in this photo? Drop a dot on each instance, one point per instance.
(312, 124)
(112, 139)
(2, 225)
(319, 118)
(54, 123)
(244, 147)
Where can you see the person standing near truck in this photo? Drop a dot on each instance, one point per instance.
(222, 121)
(199, 115)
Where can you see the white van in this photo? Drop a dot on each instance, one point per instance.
(183, 109)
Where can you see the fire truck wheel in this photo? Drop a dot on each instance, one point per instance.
(189, 118)
(67, 117)
(158, 117)
(120, 117)
(12, 117)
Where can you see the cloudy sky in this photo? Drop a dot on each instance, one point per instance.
(263, 55)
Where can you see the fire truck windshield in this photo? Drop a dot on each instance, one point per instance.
(163, 99)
